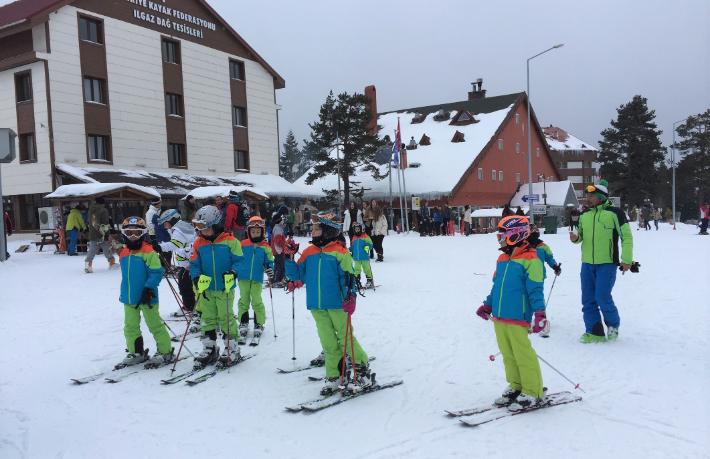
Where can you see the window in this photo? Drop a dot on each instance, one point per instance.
(239, 116)
(98, 148)
(517, 177)
(537, 152)
(500, 144)
(517, 147)
(500, 176)
(480, 173)
(23, 86)
(171, 51)
(94, 90)
(173, 104)
(494, 175)
(241, 160)
(28, 150)
(575, 164)
(236, 70)
(176, 155)
(91, 30)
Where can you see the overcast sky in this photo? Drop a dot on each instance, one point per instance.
(419, 52)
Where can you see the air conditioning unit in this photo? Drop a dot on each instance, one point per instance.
(47, 219)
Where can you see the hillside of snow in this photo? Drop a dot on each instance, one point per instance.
(646, 394)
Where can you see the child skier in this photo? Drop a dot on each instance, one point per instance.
(326, 267)
(515, 299)
(182, 235)
(544, 253)
(257, 259)
(217, 254)
(360, 248)
(141, 273)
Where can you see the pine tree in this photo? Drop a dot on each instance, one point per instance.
(288, 160)
(693, 172)
(307, 158)
(343, 120)
(631, 152)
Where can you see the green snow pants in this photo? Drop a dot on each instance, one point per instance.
(331, 325)
(363, 265)
(250, 292)
(522, 370)
(217, 310)
(132, 326)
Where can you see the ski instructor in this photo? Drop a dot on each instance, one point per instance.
(600, 227)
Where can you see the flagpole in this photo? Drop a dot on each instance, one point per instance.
(401, 206)
(406, 212)
(391, 212)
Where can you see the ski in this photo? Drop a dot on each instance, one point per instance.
(315, 378)
(485, 408)
(332, 400)
(307, 367)
(210, 374)
(87, 379)
(137, 369)
(559, 398)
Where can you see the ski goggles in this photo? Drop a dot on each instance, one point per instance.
(199, 225)
(513, 235)
(134, 234)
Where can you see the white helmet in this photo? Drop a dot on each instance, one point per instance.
(206, 217)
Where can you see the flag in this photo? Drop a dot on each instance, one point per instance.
(396, 145)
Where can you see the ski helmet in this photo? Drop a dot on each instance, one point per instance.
(133, 229)
(357, 228)
(208, 217)
(513, 230)
(256, 222)
(171, 216)
(330, 228)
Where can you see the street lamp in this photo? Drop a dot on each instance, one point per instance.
(530, 187)
(337, 154)
(673, 166)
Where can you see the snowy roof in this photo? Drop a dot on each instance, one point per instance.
(558, 193)
(561, 140)
(207, 192)
(495, 212)
(440, 164)
(84, 190)
(169, 183)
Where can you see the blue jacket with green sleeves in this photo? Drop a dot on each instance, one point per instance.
(139, 269)
(517, 287)
(256, 258)
(327, 273)
(360, 247)
(213, 259)
(544, 253)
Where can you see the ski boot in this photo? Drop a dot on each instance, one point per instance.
(230, 354)
(209, 354)
(330, 386)
(318, 361)
(87, 268)
(258, 331)
(196, 323)
(509, 395)
(243, 330)
(369, 284)
(523, 402)
(132, 358)
(363, 378)
(111, 262)
(612, 333)
(158, 360)
(380, 257)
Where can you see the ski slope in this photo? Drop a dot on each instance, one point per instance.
(646, 395)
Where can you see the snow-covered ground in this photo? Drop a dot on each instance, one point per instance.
(646, 395)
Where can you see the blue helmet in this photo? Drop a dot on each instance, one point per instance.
(168, 215)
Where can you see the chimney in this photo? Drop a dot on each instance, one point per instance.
(477, 91)
(371, 94)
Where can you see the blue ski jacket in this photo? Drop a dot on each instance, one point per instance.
(256, 258)
(139, 269)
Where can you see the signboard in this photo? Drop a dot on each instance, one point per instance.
(171, 18)
(416, 203)
(540, 209)
(531, 197)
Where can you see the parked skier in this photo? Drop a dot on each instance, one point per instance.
(256, 260)
(182, 235)
(360, 248)
(326, 268)
(599, 231)
(515, 300)
(141, 273)
(98, 235)
(216, 254)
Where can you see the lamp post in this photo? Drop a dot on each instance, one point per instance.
(673, 167)
(530, 187)
(337, 155)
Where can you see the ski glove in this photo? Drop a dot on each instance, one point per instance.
(484, 312)
(146, 296)
(349, 304)
(269, 272)
(293, 285)
(557, 269)
(539, 321)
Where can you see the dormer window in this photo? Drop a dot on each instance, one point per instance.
(418, 118)
(442, 115)
(458, 137)
(425, 140)
(463, 118)
(412, 144)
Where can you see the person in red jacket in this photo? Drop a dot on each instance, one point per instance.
(234, 219)
(704, 215)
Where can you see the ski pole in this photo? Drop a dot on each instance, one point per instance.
(182, 344)
(273, 318)
(202, 284)
(228, 280)
(545, 333)
(550, 294)
(576, 385)
(183, 336)
(293, 324)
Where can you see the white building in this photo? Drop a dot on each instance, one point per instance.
(165, 86)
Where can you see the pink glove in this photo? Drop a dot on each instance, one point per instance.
(293, 285)
(484, 312)
(349, 304)
(539, 321)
